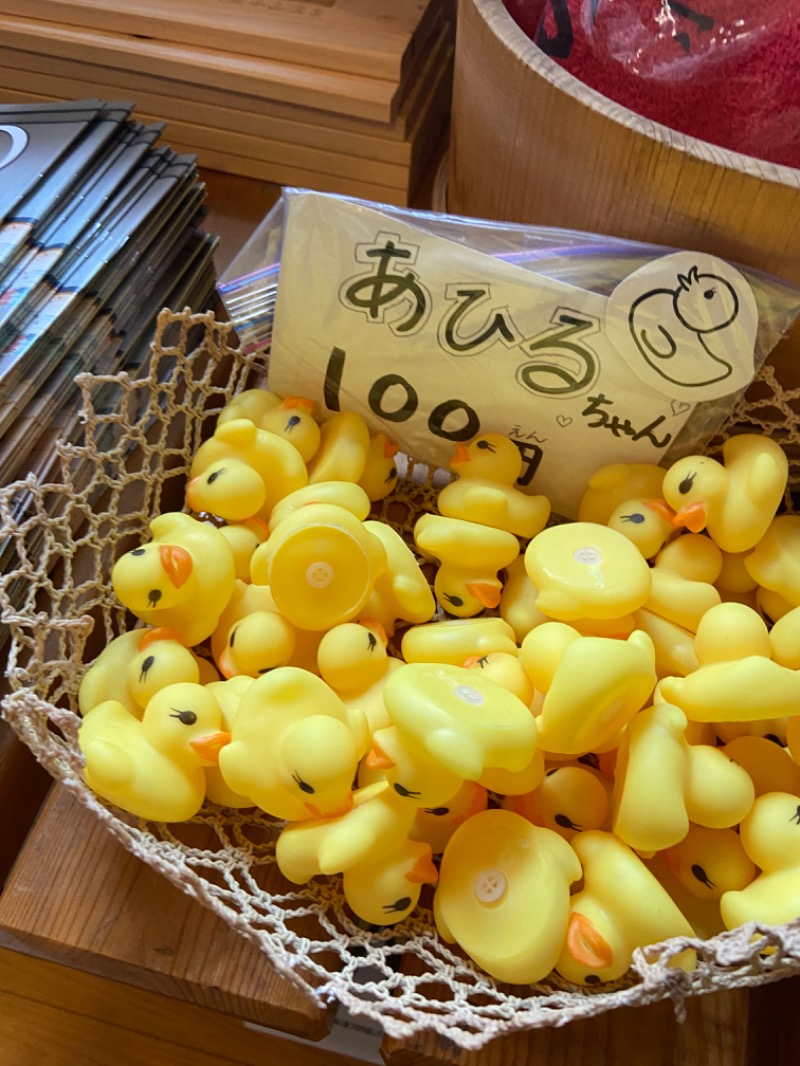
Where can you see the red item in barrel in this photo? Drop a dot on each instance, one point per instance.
(725, 71)
(526, 14)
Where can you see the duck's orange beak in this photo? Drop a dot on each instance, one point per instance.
(662, 509)
(377, 759)
(586, 944)
(390, 449)
(298, 401)
(315, 812)
(671, 858)
(462, 454)
(692, 518)
(157, 633)
(423, 872)
(225, 667)
(177, 563)
(209, 746)
(485, 592)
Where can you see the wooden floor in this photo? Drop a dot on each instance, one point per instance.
(103, 963)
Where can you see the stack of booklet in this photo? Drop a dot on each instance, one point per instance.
(344, 96)
(99, 229)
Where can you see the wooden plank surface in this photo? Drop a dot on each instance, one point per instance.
(351, 94)
(59, 1016)
(379, 38)
(115, 917)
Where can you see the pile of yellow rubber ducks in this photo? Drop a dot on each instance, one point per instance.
(585, 735)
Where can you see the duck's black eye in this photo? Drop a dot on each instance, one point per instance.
(485, 446)
(372, 642)
(438, 811)
(702, 876)
(553, 771)
(293, 421)
(302, 785)
(455, 600)
(392, 473)
(212, 477)
(686, 485)
(637, 518)
(146, 664)
(232, 637)
(406, 793)
(565, 822)
(184, 717)
(138, 551)
(153, 596)
(592, 979)
(398, 905)
(482, 662)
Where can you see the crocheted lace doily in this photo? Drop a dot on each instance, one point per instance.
(60, 539)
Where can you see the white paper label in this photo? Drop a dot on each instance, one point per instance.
(434, 343)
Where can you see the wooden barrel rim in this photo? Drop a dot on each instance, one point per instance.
(503, 26)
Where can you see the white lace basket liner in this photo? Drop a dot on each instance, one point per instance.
(60, 541)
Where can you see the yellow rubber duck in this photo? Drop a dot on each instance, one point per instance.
(182, 579)
(453, 640)
(401, 593)
(612, 485)
(386, 890)
(253, 404)
(219, 470)
(134, 666)
(321, 564)
(736, 679)
(518, 600)
(341, 493)
(770, 766)
(435, 825)
(607, 924)
(294, 746)
(375, 826)
(293, 419)
(734, 500)
(485, 490)
(503, 894)
(671, 616)
(256, 644)
(154, 768)
(771, 838)
(416, 776)
(244, 537)
(784, 639)
(380, 474)
(585, 570)
(462, 720)
(227, 693)
(662, 783)
(570, 799)
(352, 659)
(469, 557)
(644, 522)
(343, 450)
(773, 563)
(592, 686)
(692, 555)
(710, 862)
(702, 914)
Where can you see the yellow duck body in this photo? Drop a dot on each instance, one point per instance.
(592, 686)
(455, 640)
(244, 537)
(154, 768)
(252, 404)
(386, 890)
(769, 765)
(375, 826)
(227, 693)
(773, 563)
(585, 570)
(503, 894)
(401, 592)
(380, 474)
(294, 746)
(710, 862)
(612, 485)
(518, 601)
(341, 493)
(606, 925)
(469, 558)
(746, 690)
(464, 721)
(343, 450)
(182, 579)
(771, 837)
(353, 660)
(490, 503)
(241, 444)
(735, 500)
